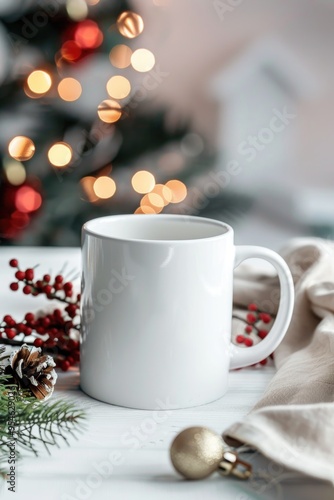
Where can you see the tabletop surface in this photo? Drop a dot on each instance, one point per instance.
(123, 453)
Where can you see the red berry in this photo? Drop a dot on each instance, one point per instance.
(27, 289)
(47, 289)
(28, 330)
(262, 334)
(38, 342)
(46, 322)
(29, 317)
(29, 274)
(39, 284)
(47, 278)
(20, 275)
(57, 313)
(69, 293)
(76, 355)
(73, 344)
(248, 342)
(266, 318)
(64, 365)
(10, 332)
(7, 319)
(14, 286)
(263, 362)
(59, 278)
(252, 307)
(68, 286)
(14, 263)
(79, 296)
(248, 329)
(240, 339)
(20, 327)
(70, 360)
(40, 330)
(57, 286)
(251, 318)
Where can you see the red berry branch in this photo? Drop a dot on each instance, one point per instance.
(255, 324)
(56, 332)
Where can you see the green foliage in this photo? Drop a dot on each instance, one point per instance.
(36, 423)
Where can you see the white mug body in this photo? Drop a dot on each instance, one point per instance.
(156, 310)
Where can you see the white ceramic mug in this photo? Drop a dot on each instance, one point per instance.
(157, 306)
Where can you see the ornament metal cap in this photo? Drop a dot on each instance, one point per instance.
(197, 452)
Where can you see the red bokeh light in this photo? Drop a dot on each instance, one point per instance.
(19, 219)
(27, 199)
(70, 50)
(88, 35)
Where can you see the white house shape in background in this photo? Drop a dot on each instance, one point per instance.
(259, 94)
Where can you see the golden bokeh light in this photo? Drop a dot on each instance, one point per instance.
(120, 56)
(109, 111)
(142, 60)
(21, 148)
(87, 184)
(164, 192)
(104, 187)
(60, 154)
(178, 189)
(15, 172)
(154, 201)
(145, 210)
(69, 89)
(130, 24)
(77, 10)
(118, 87)
(39, 82)
(143, 181)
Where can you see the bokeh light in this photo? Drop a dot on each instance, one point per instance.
(70, 51)
(69, 89)
(60, 154)
(178, 189)
(109, 111)
(120, 56)
(77, 10)
(87, 184)
(143, 181)
(104, 187)
(130, 24)
(93, 2)
(145, 210)
(88, 35)
(152, 200)
(21, 148)
(142, 60)
(164, 192)
(118, 87)
(27, 199)
(39, 82)
(15, 172)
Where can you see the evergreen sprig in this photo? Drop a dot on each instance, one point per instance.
(36, 423)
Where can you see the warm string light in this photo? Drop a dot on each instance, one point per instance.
(60, 154)
(69, 89)
(21, 148)
(104, 187)
(178, 189)
(154, 201)
(120, 56)
(88, 35)
(77, 10)
(27, 199)
(118, 87)
(143, 181)
(109, 111)
(38, 83)
(15, 172)
(142, 60)
(130, 24)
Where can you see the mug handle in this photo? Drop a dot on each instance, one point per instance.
(241, 356)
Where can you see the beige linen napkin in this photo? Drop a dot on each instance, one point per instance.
(293, 424)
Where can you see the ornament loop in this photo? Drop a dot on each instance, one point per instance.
(231, 464)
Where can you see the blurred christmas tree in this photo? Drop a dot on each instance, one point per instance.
(77, 138)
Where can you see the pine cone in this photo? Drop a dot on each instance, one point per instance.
(30, 369)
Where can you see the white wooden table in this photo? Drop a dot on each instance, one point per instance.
(123, 453)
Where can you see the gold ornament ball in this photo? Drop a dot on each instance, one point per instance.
(196, 452)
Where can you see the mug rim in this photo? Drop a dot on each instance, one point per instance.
(228, 229)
